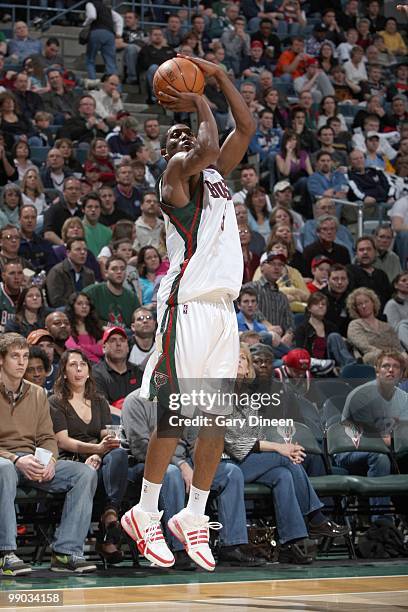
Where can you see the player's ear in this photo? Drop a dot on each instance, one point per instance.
(164, 154)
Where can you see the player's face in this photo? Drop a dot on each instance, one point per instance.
(179, 138)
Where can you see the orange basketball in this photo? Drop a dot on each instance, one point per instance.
(181, 74)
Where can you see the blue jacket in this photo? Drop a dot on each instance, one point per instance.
(317, 183)
(265, 143)
(242, 325)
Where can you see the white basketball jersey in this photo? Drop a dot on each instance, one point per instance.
(203, 245)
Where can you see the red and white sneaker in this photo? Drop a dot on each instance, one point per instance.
(193, 532)
(145, 529)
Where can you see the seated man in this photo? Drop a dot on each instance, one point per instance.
(326, 244)
(326, 206)
(115, 377)
(139, 417)
(33, 248)
(142, 343)
(374, 408)
(26, 426)
(21, 45)
(314, 80)
(386, 260)
(70, 275)
(278, 466)
(266, 142)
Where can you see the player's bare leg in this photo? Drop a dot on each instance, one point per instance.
(191, 525)
(142, 522)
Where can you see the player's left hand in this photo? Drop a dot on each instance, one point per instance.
(178, 101)
(208, 68)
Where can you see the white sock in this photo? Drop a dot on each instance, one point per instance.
(197, 501)
(149, 498)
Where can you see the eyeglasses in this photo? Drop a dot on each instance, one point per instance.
(11, 237)
(244, 231)
(144, 318)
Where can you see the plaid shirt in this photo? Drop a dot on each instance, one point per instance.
(273, 304)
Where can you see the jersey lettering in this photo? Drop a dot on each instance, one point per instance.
(218, 190)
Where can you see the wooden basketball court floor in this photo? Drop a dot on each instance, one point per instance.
(360, 587)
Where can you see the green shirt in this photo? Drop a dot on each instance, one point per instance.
(113, 309)
(96, 237)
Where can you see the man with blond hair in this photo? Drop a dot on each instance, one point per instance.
(27, 428)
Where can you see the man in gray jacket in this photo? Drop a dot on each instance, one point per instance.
(138, 420)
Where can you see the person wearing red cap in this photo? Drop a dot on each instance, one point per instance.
(252, 65)
(115, 377)
(314, 80)
(320, 270)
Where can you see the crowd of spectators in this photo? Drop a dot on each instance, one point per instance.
(82, 243)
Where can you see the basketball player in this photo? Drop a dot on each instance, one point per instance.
(197, 330)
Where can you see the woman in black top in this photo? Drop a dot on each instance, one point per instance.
(319, 336)
(30, 312)
(80, 416)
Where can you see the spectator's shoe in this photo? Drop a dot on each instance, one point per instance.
(292, 553)
(328, 529)
(193, 532)
(321, 366)
(11, 565)
(71, 563)
(237, 556)
(145, 529)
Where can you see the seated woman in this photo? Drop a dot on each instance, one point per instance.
(10, 203)
(319, 336)
(21, 153)
(287, 216)
(66, 147)
(366, 333)
(32, 192)
(99, 160)
(326, 58)
(258, 214)
(73, 228)
(278, 466)
(124, 228)
(86, 328)
(294, 164)
(272, 103)
(148, 263)
(328, 109)
(251, 259)
(396, 309)
(11, 120)
(80, 416)
(30, 312)
(284, 233)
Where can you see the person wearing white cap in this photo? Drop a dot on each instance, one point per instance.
(283, 196)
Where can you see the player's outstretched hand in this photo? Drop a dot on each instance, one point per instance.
(208, 68)
(179, 102)
(403, 7)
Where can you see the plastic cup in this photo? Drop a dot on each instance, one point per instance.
(43, 455)
(113, 431)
